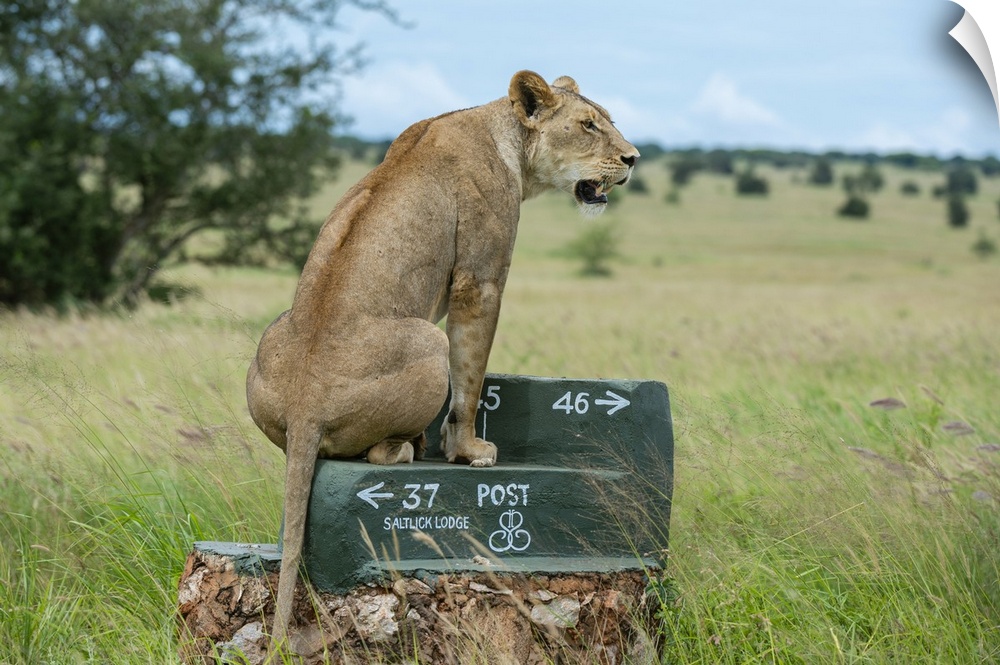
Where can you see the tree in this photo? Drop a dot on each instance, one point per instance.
(858, 188)
(650, 151)
(990, 166)
(719, 161)
(128, 127)
(871, 178)
(958, 212)
(683, 168)
(822, 172)
(962, 180)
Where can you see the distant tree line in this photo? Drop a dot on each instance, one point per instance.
(360, 149)
(862, 181)
(690, 160)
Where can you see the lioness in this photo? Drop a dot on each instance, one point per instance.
(357, 366)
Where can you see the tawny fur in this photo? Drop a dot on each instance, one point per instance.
(357, 366)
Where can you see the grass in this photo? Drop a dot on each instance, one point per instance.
(808, 525)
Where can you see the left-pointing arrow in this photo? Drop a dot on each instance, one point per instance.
(370, 494)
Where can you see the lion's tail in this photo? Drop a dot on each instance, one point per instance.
(301, 451)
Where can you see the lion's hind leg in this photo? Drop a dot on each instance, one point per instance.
(391, 451)
(419, 446)
(397, 384)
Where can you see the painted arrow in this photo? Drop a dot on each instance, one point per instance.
(617, 402)
(369, 494)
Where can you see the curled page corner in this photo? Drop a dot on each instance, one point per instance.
(979, 33)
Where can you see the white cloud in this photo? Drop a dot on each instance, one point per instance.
(947, 134)
(722, 100)
(622, 110)
(950, 134)
(391, 96)
(638, 123)
(882, 137)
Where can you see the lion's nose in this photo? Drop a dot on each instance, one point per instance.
(630, 160)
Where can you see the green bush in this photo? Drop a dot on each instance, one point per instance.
(984, 247)
(596, 245)
(749, 183)
(637, 185)
(855, 206)
(909, 188)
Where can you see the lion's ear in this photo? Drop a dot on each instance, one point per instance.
(566, 83)
(531, 97)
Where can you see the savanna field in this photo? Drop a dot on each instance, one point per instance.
(834, 388)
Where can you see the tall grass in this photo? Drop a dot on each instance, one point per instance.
(119, 448)
(808, 525)
(796, 547)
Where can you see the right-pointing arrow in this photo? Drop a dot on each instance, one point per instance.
(617, 402)
(369, 494)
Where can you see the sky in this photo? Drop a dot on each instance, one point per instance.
(853, 75)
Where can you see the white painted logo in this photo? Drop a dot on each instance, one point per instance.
(979, 33)
(510, 535)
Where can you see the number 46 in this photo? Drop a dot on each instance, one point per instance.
(569, 404)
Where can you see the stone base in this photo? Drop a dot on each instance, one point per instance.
(225, 609)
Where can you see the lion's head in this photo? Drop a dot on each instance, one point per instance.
(577, 147)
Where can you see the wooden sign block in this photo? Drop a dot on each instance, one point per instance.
(582, 484)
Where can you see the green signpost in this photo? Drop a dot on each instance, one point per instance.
(583, 483)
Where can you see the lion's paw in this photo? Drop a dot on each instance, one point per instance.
(475, 452)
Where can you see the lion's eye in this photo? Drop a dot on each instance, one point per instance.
(589, 125)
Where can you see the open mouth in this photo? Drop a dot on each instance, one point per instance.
(591, 192)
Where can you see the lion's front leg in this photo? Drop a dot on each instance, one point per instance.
(472, 319)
